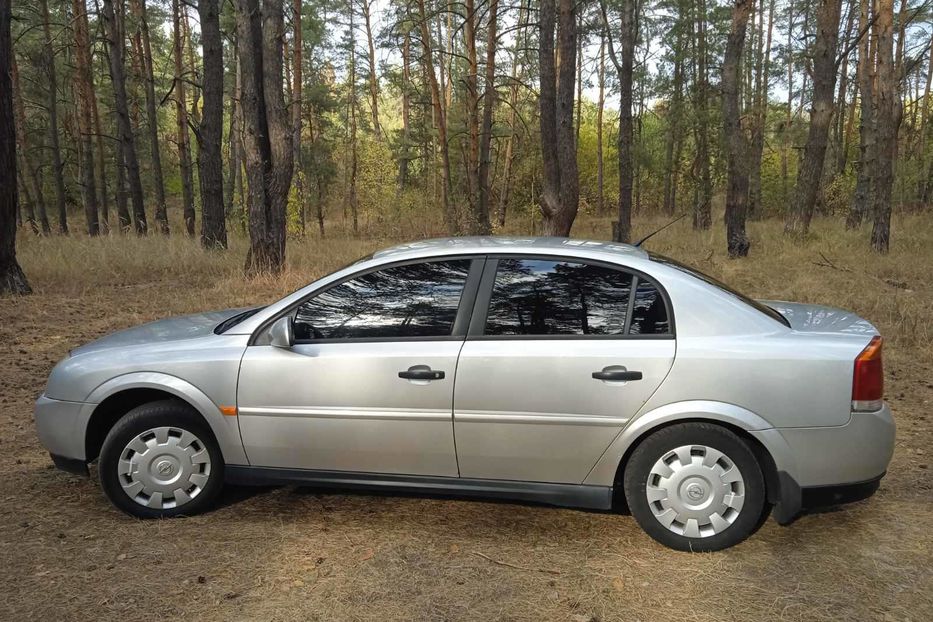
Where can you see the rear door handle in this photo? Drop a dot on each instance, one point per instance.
(617, 375)
(421, 373)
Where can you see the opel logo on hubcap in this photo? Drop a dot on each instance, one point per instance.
(165, 468)
(695, 492)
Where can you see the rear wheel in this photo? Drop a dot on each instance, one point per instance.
(695, 487)
(161, 460)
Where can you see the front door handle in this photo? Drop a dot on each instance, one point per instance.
(617, 375)
(421, 373)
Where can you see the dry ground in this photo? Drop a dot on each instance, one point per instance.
(299, 554)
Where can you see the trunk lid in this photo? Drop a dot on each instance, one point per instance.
(808, 318)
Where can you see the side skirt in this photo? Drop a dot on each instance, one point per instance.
(566, 495)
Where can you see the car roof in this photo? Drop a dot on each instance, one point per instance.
(506, 244)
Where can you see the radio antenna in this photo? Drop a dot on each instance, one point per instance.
(653, 233)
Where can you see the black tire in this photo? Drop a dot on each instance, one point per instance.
(655, 446)
(167, 413)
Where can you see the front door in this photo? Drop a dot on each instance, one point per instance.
(566, 354)
(368, 385)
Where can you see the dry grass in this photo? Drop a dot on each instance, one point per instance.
(298, 554)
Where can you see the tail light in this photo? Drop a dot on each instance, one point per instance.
(868, 379)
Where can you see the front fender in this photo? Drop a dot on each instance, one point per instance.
(604, 472)
(226, 429)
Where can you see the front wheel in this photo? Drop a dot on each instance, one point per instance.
(161, 460)
(695, 487)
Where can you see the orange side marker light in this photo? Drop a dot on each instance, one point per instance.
(229, 411)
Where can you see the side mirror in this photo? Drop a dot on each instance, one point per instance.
(281, 333)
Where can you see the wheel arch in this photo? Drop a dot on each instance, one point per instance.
(744, 423)
(113, 399)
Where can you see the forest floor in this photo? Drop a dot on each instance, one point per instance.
(301, 554)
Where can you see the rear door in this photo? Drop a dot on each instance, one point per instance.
(561, 353)
(368, 384)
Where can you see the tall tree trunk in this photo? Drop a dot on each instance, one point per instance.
(841, 116)
(161, 215)
(736, 141)
(373, 79)
(561, 185)
(760, 112)
(296, 105)
(405, 156)
(113, 26)
(352, 200)
(12, 278)
(864, 184)
(104, 220)
(810, 171)
(267, 144)
(181, 122)
(622, 229)
(58, 167)
(703, 195)
(925, 186)
(210, 128)
(85, 91)
(471, 102)
(671, 166)
(600, 105)
(887, 114)
(440, 118)
(788, 120)
(22, 138)
(521, 40)
(489, 102)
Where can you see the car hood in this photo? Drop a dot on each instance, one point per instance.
(172, 329)
(809, 318)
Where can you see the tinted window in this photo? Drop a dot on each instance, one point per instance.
(649, 315)
(415, 300)
(546, 297)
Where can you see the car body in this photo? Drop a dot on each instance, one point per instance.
(527, 368)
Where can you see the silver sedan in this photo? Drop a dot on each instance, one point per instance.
(567, 372)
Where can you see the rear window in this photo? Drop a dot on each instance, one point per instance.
(774, 315)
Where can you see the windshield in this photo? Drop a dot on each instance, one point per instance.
(230, 322)
(720, 285)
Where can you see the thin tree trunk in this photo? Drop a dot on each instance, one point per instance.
(12, 278)
(161, 215)
(58, 167)
(736, 141)
(760, 112)
(23, 141)
(840, 118)
(521, 40)
(210, 127)
(489, 102)
(925, 186)
(788, 121)
(104, 221)
(703, 197)
(373, 79)
(181, 122)
(352, 200)
(113, 25)
(440, 118)
(861, 202)
(296, 104)
(600, 105)
(622, 229)
(888, 113)
(405, 156)
(471, 101)
(673, 131)
(810, 171)
(85, 93)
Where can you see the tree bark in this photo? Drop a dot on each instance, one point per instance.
(58, 167)
(161, 214)
(600, 106)
(210, 128)
(352, 200)
(296, 104)
(887, 114)
(181, 122)
(440, 118)
(267, 140)
(671, 165)
(113, 26)
(560, 185)
(85, 91)
(12, 278)
(703, 194)
(760, 114)
(22, 138)
(735, 139)
(373, 79)
(471, 103)
(489, 102)
(810, 171)
(405, 156)
(861, 201)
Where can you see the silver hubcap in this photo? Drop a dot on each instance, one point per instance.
(695, 491)
(164, 468)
